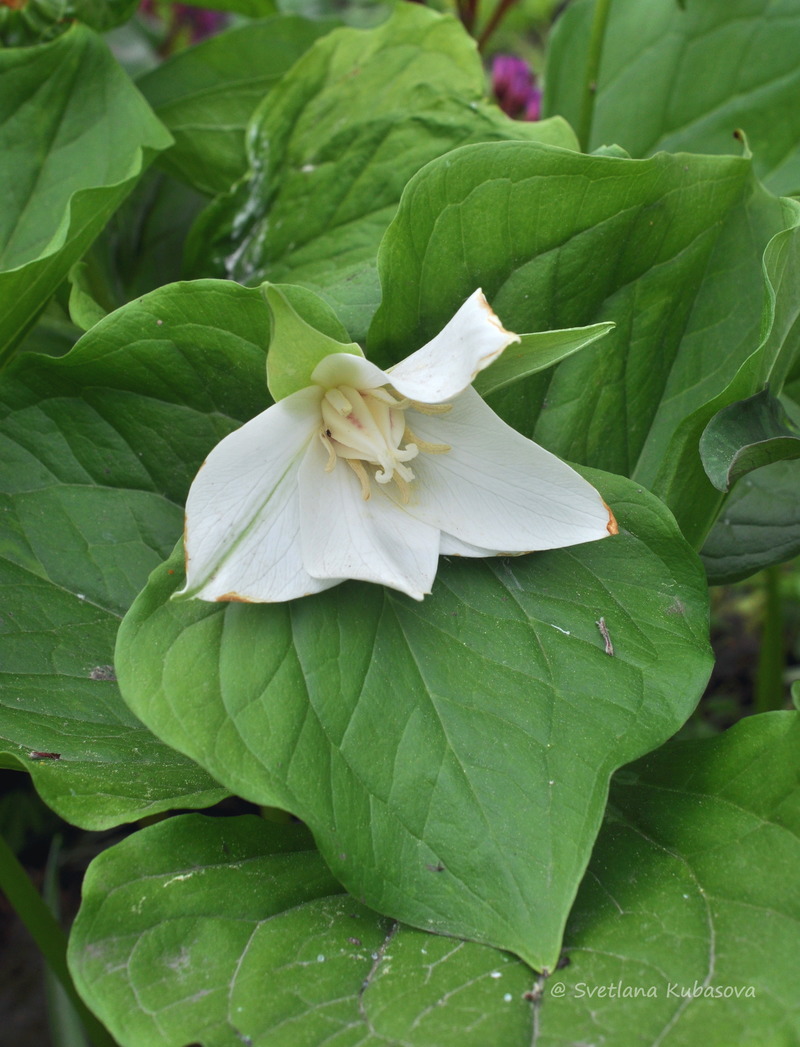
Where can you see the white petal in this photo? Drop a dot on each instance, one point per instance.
(375, 540)
(451, 546)
(447, 364)
(497, 490)
(346, 369)
(243, 511)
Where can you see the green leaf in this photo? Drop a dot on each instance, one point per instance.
(206, 94)
(694, 884)
(332, 148)
(745, 436)
(93, 480)
(673, 246)
(101, 15)
(53, 333)
(84, 308)
(142, 246)
(759, 525)
(694, 880)
(39, 20)
(296, 347)
(476, 730)
(184, 923)
(534, 353)
(248, 8)
(654, 90)
(678, 479)
(75, 136)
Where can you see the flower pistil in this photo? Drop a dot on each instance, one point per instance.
(369, 427)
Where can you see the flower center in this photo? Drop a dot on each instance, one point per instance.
(367, 428)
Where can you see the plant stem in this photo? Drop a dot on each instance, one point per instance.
(495, 19)
(48, 935)
(468, 11)
(601, 10)
(769, 683)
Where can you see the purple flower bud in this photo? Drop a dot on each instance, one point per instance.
(513, 87)
(533, 107)
(201, 22)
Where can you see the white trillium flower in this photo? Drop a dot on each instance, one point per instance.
(374, 474)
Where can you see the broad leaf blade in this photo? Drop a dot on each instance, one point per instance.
(333, 147)
(759, 525)
(453, 725)
(205, 95)
(677, 477)
(747, 435)
(336, 971)
(644, 230)
(693, 892)
(39, 20)
(679, 80)
(678, 894)
(668, 242)
(75, 136)
(92, 493)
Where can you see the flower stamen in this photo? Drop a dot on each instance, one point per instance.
(403, 488)
(324, 436)
(366, 427)
(361, 473)
(427, 448)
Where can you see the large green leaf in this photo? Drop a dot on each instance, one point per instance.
(93, 478)
(205, 95)
(475, 731)
(676, 476)
(693, 882)
(75, 136)
(694, 885)
(670, 249)
(228, 930)
(686, 78)
(332, 148)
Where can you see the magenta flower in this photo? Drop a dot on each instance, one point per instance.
(514, 87)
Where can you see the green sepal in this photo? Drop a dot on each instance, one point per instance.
(297, 346)
(536, 352)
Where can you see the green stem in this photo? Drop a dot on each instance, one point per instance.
(601, 10)
(769, 683)
(48, 935)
